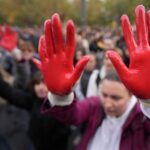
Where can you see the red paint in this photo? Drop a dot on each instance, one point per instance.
(57, 57)
(8, 39)
(137, 77)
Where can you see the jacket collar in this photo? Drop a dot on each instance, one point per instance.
(136, 116)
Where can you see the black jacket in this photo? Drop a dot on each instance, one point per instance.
(46, 132)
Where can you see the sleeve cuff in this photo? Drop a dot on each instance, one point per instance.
(145, 107)
(56, 100)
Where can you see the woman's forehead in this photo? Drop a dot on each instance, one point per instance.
(112, 86)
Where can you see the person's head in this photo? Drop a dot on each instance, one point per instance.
(91, 63)
(107, 64)
(114, 95)
(27, 49)
(39, 87)
(109, 44)
(79, 53)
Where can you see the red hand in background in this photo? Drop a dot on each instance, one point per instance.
(137, 77)
(1, 32)
(8, 40)
(57, 57)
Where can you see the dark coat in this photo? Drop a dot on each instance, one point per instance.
(46, 132)
(13, 128)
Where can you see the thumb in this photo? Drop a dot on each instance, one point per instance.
(79, 68)
(116, 60)
(37, 63)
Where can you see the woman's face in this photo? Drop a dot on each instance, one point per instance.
(114, 97)
(41, 90)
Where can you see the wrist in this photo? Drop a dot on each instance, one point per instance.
(57, 100)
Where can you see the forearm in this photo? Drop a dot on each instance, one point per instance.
(22, 74)
(15, 96)
(66, 109)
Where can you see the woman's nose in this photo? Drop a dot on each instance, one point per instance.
(108, 102)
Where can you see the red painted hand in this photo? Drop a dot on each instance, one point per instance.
(8, 39)
(57, 58)
(137, 77)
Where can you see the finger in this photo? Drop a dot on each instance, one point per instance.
(57, 34)
(128, 34)
(122, 70)
(141, 26)
(148, 25)
(37, 63)
(79, 68)
(42, 47)
(70, 42)
(48, 38)
(8, 29)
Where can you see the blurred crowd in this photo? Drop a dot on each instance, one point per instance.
(22, 88)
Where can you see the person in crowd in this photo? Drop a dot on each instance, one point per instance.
(120, 43)
(45, 132)
(30, 34)
(8, 42)
(97, 44)
(16, 135)
(115, 118)
(23, 67)
(81, 88)
(97, 75)
(13, 129)
(81, 41)
(79, 53)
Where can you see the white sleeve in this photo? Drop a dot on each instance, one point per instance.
(92, 89)
(57, 100)
(145, 107)
(78, 92)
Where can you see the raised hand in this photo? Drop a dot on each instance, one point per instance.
(57, 57)
(8, 39)
(137, 77)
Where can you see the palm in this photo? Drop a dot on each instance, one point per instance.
(61, 70)
(136, 77)
(57, 57)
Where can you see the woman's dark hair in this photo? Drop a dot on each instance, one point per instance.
(37, 78)
(112, 76)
